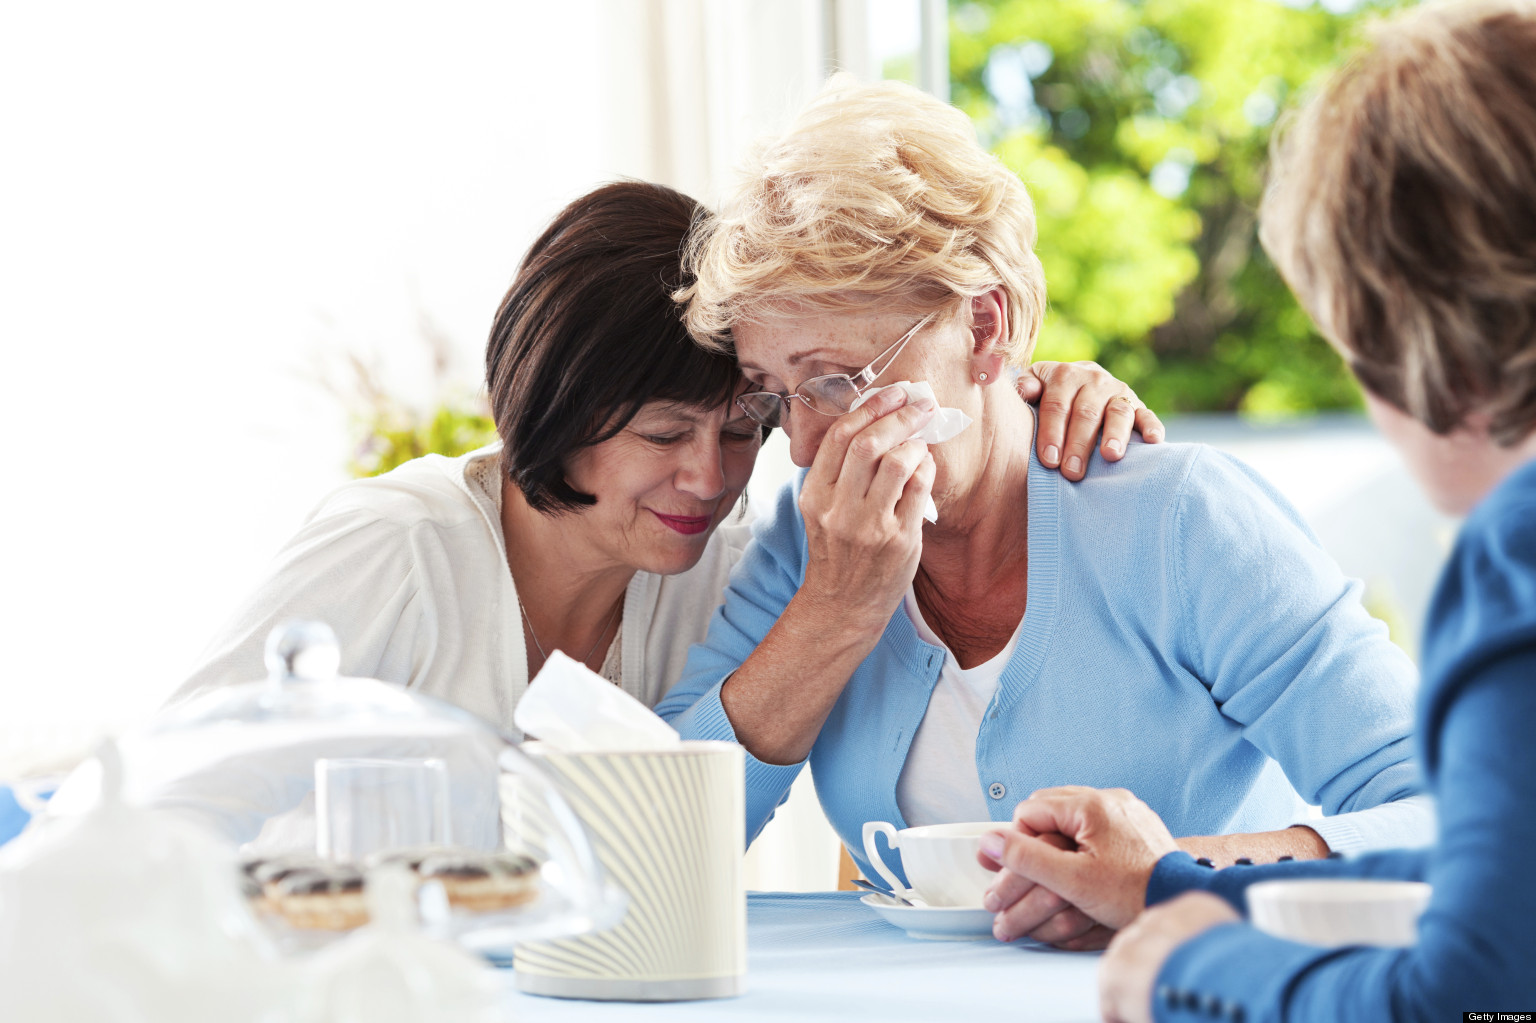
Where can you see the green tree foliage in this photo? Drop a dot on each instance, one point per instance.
(1142, 131)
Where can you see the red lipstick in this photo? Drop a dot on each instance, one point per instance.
(688, 525)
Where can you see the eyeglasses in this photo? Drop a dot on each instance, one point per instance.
(830, 395)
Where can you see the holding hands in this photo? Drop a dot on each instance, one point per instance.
(1076, 867)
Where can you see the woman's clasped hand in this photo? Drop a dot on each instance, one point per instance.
(1075, 867)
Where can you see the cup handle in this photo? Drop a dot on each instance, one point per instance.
(871, 829)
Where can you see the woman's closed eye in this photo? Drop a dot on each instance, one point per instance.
(734, 438)
(741, 435)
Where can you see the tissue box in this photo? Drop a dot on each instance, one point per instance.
(669, 828)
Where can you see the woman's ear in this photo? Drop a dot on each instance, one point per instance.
(989, 336)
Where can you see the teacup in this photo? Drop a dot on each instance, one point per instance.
(939, 860)
(1335, 912)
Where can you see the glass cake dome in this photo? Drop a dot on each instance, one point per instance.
(317, 780)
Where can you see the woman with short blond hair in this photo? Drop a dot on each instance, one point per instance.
(1169, 625)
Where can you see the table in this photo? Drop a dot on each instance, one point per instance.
(823, 956)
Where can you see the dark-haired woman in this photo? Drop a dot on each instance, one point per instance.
(605, 521)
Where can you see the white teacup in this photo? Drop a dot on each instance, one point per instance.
(939, 860)
(1335, 912)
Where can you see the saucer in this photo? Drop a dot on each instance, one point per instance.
(934, 923)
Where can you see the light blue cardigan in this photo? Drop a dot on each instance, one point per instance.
(1185, 638)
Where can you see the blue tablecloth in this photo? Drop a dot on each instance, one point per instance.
(823, 956)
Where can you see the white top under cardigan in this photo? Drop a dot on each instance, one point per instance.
(938, 782)
(410, 569)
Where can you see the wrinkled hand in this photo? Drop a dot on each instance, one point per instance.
(1112, 840)
(1077, 401)
(1128, 973)
(1038, 912)
(863, 504)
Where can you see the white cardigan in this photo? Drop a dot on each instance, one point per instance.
(410, 569)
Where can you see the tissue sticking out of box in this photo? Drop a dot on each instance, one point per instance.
(575, 710)
(946, 423)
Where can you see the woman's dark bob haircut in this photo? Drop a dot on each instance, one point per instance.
(588, 333)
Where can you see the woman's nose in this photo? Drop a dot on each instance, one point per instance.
(805, 429)
(702, 475)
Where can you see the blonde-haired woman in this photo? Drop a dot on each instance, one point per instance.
(1169, 625)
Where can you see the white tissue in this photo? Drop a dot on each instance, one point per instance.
(576, 710)
(946, 423)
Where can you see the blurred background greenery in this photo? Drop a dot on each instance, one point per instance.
(1142, 131)
(388, 430)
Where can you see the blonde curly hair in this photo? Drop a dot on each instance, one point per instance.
(877, 195)
(1402, 211)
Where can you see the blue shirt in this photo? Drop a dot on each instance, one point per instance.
(1477, 719)
(1185, 637)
